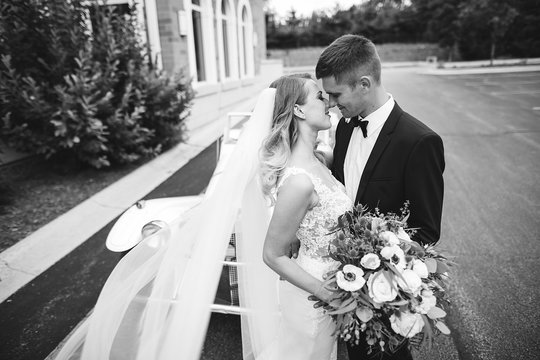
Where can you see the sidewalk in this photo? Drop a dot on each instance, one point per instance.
(31, 256)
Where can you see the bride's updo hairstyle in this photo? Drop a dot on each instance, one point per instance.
(276, 149)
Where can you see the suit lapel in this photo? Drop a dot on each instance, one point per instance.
(343, 137)
(380, 145)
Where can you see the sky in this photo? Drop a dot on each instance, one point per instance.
(306, 7)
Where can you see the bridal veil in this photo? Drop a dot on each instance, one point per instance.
(156, 302)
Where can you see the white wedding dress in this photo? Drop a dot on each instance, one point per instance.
(306, 332)
(153, 305)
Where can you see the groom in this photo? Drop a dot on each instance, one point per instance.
(382, 155)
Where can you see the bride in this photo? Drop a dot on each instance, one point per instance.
(156, 302)
(308, 202)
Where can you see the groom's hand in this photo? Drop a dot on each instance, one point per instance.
(293, 251)
(295, 245)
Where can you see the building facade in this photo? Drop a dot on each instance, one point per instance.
(220, 44)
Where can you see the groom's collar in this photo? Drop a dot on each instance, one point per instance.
(378, 117)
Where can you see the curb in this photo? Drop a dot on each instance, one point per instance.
(449, 68)
(480, 70)
(24, 261)
(385, 65)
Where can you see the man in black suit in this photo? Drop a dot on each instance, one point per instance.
(382, 155)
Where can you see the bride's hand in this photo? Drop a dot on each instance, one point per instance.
(323, 296)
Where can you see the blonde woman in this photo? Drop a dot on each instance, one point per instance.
(308, 201)
(274, 189)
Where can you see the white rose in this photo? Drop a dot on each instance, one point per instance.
(409, 282)
(420, 268)
(350, 278)
(370, 261)
(381, 287)
(407, 324)
(428, 302)
(402, 235)
(395, 255)
(364, 313)
(389, 237)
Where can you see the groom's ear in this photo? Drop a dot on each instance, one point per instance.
(298, 112)
(365, 82)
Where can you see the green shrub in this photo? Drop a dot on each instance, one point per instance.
(92, 96)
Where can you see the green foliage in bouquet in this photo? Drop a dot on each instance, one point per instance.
(388, 287)
(76, 84)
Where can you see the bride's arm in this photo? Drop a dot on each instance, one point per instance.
(295, 197)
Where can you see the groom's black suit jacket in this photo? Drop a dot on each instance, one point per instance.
(406, 163)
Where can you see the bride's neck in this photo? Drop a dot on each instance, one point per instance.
(303, 151)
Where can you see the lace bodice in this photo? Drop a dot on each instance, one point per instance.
(314, 228)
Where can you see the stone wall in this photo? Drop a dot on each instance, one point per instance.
(387, 52)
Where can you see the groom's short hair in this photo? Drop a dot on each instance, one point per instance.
(349, 58)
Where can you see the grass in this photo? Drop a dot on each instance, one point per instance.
(41, 194)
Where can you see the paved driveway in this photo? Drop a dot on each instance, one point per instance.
(490, 125)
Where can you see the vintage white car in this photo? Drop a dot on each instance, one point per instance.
(147, 216)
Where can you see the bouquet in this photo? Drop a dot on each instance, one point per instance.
(387, 286)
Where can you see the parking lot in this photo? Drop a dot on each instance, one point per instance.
(491, 132)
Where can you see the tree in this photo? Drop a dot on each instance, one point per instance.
(522, 38)
(440, 23)
(497, 14)
(467, 29)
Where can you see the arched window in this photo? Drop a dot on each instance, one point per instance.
(245, 38)
(200, 40)
(226, 33)
(196, 18)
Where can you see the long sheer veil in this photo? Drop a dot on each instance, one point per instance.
(156, 302)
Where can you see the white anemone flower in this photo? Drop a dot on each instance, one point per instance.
(350, 278)
(396, 256)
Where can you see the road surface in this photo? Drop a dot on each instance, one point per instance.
(490, 125)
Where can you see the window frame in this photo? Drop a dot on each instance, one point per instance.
(232, 50)
(207, 28)
(246, 51)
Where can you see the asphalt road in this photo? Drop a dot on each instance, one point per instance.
(490, 125)
(35, 319)
(491, 131)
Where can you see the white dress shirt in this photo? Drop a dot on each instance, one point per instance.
(360, 148)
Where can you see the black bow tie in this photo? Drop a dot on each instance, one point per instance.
(355, 121)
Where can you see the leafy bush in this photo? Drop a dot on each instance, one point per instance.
(89, 95)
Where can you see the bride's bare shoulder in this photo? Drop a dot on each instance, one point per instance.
(297, 181)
